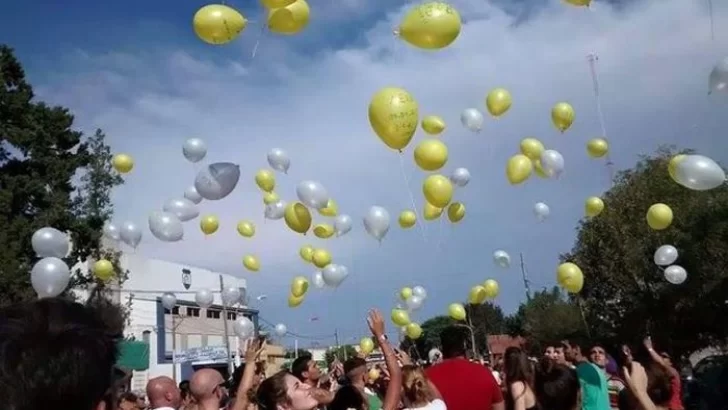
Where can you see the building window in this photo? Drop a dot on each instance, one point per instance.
(194, 341)
(232, 315)
(175, 311)
(215, 340)
(145, 336)
(213, 314)
(194, 312)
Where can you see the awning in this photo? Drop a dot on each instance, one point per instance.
(133, 355)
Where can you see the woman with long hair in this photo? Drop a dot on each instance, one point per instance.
(520, 380)
(557, 386)
(417, 391)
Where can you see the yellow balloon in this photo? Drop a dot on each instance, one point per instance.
(597, 147)
(373, 374)
(593, 206)
(431, 154)
(562, 115)
(323, 231)
(331, 209)
(518, 169)
(276, 4)
(433, 125)
(246, 229)
(122, 163)
(413, 331)
(294, 301)
(299, 286)
(251, 263)
(297, 217)
(437, 190)
(570, 277)
(491, 289)
(265, 180)
(103, 269)
(672, 166)
(456, 212)
(366, 345)
(431, 26)
(270, 198)
(476, 295)
(498, 101)
(659, 217)
(218, 24)
(405, 293)
(431, 212)
(538, 170)
(579, 3)
(289, 20)
(400, 317)
(321, 258)
(532, 148)
(209, 224)
(456, 311)
(306, 253)
(393, 115)
(407, 219)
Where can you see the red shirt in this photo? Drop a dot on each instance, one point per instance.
(465, 385)
(676, 398)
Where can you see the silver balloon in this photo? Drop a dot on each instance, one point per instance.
(281, 330)
(50, 277)
(279, 160)
(169, 300)
(194, 149)
(131, 234)
(230, 295)
(472, 119)
(111, 231)
(312, 194)
(542, 211)
(665, 255)
(675, 274)
(420, 292)
(244, 328)
(699, 173)
(376, 222)
(414, 303)
(718, 80)
(217, 180)
(192, 194)
(50, 242)
(342, 224)
(276, 210)
(166, 227)
(184, 209)
(460, 177)
(318, 280)
(502, 258)
(334, 274)
(204, 298)
(552, 163)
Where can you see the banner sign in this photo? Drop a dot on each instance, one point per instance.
(202, 354)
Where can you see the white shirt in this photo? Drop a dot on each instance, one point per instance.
(164, 408)
(436, 404)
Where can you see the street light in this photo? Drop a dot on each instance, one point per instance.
(186, 278)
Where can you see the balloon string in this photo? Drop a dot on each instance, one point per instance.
(710, 13)
(412, 198)
(257, 40)
(593, 59)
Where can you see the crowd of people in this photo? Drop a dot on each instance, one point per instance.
(57, 354)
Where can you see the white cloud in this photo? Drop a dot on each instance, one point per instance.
(654, 60)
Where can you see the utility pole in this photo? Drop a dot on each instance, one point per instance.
(174, 347)
(336, 341)
(231, 369)
(526, 282)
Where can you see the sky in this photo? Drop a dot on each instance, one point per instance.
(138, 72)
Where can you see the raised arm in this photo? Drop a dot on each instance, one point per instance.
(653, 354)
(253, 349)
(391, 397)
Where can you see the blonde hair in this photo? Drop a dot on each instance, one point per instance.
(416, 386)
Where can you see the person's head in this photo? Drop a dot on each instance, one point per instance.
(416, 390)
(573, 351)
(306, 369)
(283, 391)
(559, 354)
(208, 386)
(598, 356)
(659, 388)
(666, 358)
(454, 341)
(128, 401)
(184, 390)
(163, 392)
(550, 352)
(42, 341)
(517, 367)
(557, 386)
(355, 369)
(348, 397)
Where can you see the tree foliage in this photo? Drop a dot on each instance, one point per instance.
(342, 353)
(291, 353)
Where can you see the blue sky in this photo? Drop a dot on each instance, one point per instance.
(137, 71)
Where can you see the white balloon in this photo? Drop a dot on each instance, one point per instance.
(166, 227)
(675, 274)
(718, 80)
(318, 280)
(218, 180)
(414, 302)
(665, 255)
(699, 173)
(111, 231)
(131, 234)
(542, 211)
(192, 194)
(50, 242)
(552, 163)
(281, 330)
(333, 274)
(169, 300)
(276, 210)
(460, 177)
(312, 194)
(420, 292)
(194, 149)
(342, 224)
(279, 160)
(502, 258)
(231, 295)
(472, 119)
(244, 328)
(50, 277)
(204, 298)
(376, 222)
(184, 209)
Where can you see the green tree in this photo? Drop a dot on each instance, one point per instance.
(342, 353)
(291, 353)
(625, 294)
(486, 319)
(431, 329)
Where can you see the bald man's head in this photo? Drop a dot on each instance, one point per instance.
(206, 385)
(163, 392)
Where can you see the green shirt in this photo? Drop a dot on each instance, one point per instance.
(594, 388)
(374, 402)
